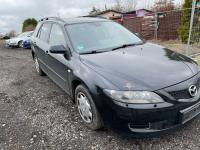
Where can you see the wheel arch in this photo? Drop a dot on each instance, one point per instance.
(76, 82)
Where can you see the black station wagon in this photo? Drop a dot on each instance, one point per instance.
(115, 78)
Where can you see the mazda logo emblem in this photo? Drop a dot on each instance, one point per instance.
(193, 90)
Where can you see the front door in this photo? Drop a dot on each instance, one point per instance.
(57, 63)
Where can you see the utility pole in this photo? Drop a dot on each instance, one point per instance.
(155, 25)
(191, 25)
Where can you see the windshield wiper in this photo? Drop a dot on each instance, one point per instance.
(126, 45)
(91, 52)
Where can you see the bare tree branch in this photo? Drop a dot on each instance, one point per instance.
(125, 5)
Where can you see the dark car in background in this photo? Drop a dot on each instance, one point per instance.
(115, 78)
(26, 43)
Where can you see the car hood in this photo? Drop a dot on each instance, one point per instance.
(15, 39)
(143, 67)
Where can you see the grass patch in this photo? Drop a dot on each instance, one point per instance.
(198, 62)
(179, 47)
(197, 59)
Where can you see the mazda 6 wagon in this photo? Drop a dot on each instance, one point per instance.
(115, 78)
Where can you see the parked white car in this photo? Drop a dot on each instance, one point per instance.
(18, 41)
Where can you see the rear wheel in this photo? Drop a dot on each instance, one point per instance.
(87, 109)
(37, 67)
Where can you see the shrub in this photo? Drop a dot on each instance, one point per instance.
(184, 29)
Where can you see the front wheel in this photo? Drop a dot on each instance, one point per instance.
(20, 44)
(87, 109)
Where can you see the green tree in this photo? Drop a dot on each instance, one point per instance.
(29, 24)
(184, 30)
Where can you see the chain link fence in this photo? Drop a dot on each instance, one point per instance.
(194, 43)
(164, 28)
(169, 32)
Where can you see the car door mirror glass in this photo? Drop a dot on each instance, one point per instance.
(58, 49)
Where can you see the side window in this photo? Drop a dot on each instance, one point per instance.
(57, 36)
(44, 31)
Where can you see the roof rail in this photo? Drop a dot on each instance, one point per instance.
(51, 18)
(91, 16)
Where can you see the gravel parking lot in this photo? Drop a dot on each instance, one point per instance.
(36, 114)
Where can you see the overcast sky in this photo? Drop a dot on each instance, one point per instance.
(13, 12)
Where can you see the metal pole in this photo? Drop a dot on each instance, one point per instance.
(191, 25)
(156, 26)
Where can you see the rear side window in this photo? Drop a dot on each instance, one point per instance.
(44, 31)
(57, 36)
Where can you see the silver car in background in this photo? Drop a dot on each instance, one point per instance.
(18, 41)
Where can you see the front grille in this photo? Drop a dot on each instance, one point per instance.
(182, 94)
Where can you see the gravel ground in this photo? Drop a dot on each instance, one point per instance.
(36, 114)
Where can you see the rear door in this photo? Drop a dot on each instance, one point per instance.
(57, 63)
(42, 46)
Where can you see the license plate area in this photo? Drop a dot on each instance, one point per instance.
(189, 113)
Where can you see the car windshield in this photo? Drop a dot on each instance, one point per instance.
(100, 36)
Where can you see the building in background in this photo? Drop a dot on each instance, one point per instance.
(138, 13)
(108, 14)
(112, 14)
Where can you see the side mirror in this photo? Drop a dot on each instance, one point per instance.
(60, 49)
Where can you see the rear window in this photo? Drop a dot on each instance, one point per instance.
(44, 32)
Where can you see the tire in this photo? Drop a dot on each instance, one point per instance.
(95, 122)
(37, 67)
(20, 44)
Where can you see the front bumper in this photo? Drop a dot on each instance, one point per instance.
(26, 44)
(147, 120)
(12, 44)
(144, 120)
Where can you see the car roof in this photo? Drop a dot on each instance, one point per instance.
(83, 20)
(74, 20)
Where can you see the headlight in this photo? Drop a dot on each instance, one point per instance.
(134, 97)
